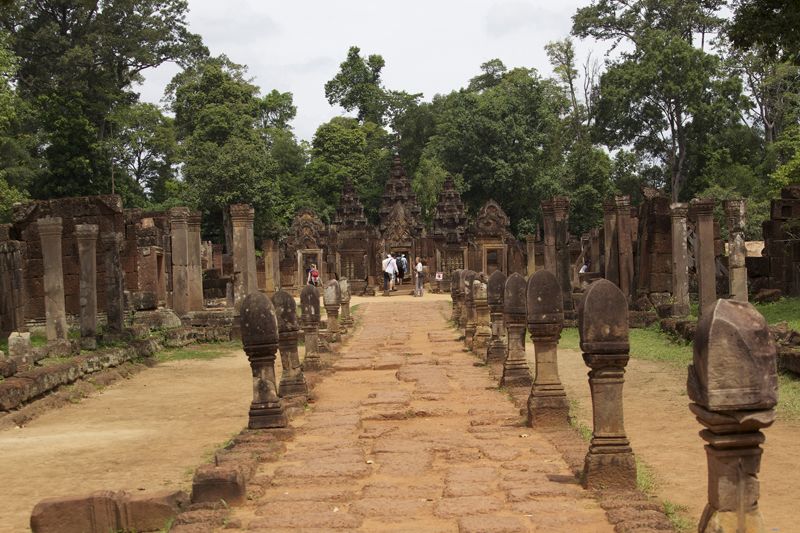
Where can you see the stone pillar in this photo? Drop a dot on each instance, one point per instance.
(332, 298)
(462, 300)
(86, 236)
(549, 223)
(705, 263)
(50, 229)
(194, 263)
(309, 306)
(594, 250)
(680, 260)
(733, 383)
(115, 282)
(469, 305)
(455, 292)
(483, 325)
(179, 238)
(610, 244)
(495, 293)
(625, 250)
(271, 266)
(547, 403)
(246, 280)
(260, 340)
(603, 328)
(564, 265)
(530, 249)
(344, 286)
(515, 367)
(293, 382)
(737, 252)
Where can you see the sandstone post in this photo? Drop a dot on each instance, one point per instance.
(194, 262)
(495, 293)
(260, 340)
(733, 383)
(246, 280)
(271, 266)
(456, 292)
(293, 382)
(332, 298)
(610, 244)
(680, 260)
(462, 299)
(179, 238)
(347, 319)
(594, 250)
(564, 265)
(483, 325)
(469, 304)
(603, 328)
(86, 236)
(530, 249)
(549, 223)
(115, 283)
(737, 251)
(50, 232)
(309, 306)
(705, 262)
(547, 403)
(623, 206)
(515, 367)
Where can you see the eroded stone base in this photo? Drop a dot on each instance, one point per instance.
(547, 410)
(293, 387)
(265, 416)
(516, 376)
(728, 522)
(609, 470)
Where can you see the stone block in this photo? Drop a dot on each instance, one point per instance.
(76, 514)
(143, 300)
(153, 511)
(19, 345)
(214, 483)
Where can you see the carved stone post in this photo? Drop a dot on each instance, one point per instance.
(603, 328)
(50, 229)
(455, 290)
(547, 403)
(332, 298)
(733, 383)
(469, 305)
(705, 263)
(115, 283)
(194, 263)
(462, 300)
(483, 326)
(564, 265)
(271, 266)
(610, 244)
(309, 305)
(594, 249)
(86, 235)
(737, 252)
(179, 238)
(515, 367)
(293, 383)
(623, 204)
(495, 293)
(260, 340)
(530, 249)
(549, 223)
(680, 260)
(246, 281)
(344, 286)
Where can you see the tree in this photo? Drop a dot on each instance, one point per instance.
(492, 73)
(767, 24)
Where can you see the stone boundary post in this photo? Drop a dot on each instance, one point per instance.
(50, 233)
(293, 382)
(309, 306)
(737, 250)
(680, 260)
(515, 367)
(86, 237)
(495, 293)
(705, 263)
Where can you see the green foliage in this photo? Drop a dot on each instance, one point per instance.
(785, 309)
(769, 23)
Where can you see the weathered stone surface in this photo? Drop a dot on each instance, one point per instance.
(19, 344)
(213, 483)
(492, 524)
(293, 382)
(680, 259)
(332, 298)
(86, 235)
(495, 293)
(50, 229)
(705, 263)
(515, 366)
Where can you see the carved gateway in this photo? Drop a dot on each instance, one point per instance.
(491, 235)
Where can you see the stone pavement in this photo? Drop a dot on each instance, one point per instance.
(409, 435)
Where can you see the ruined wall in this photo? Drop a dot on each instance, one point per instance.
(782, 242)
(654, 247)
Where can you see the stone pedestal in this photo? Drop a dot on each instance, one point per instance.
(530, 250)
(244, 251)
(705, 263)
(332, 298)
(462, 300)
(680, 260)
(737, 251)
(495, 294)
(547, 403)
(194, 263)
(603, 328)
(260, 340)
(733, 383)
(563, 263)
(610, 244)
(309, 306)
(549, 223)
(86, 236)
(50, 229)
(469, 306)
(455, 290)
(293, 382)
(483, 324)
(347, 319)
(515, 367)
(623, 206)
(179, 237)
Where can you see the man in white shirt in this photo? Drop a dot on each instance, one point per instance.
(392, 268)
(386, 275)
(419, 274)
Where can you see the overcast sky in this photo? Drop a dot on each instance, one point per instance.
(430, 47)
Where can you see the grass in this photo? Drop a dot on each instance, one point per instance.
(197, 351)
(583, 430)
(38, 339)
(647, 482)
(785, 309)
(645, 477)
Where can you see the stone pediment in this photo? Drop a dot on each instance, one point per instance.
(492, 221)
(399, 224)
(307, 231)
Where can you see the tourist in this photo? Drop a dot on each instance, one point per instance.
(392, 272)
(387, 276)
(313, 275)
(420, 277)
(402, 268)
(586, 266)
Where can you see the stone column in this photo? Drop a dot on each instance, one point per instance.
(549, 223)
(680, 260)
(737, 271)
(115, 282)
(309, 306)
(594, 250)
(194, 263)
(246, 281)
(547, 403)
(733, 383)
(469, 305)
(462, 300)
(610, 244)
(270, 270)
(564, 265)
(179, 238)
(455, 291)
(495, 293)
(260, 340)
(50, 229)
(623, 204)
(705, 263)
(515, 367)
(603, 328)
(344, 286)
(293, 382)
(86, 236)
(483, 327)
(332, 298)
(530, 249)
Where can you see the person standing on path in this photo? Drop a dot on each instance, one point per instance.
(386, 275)
(402, 268)
(392, 272)
(420, 277)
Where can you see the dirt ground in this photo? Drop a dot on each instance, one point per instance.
(147, 432)
(664, 434)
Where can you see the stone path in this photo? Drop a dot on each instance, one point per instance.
(410, 435)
